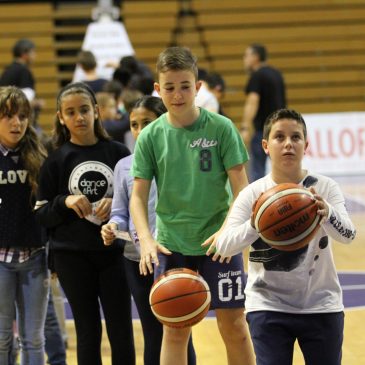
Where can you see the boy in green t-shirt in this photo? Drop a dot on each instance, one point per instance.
(191, 153)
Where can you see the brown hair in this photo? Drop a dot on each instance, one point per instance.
(103, 97)
(177, 59)
(283, 114)
(32, 152)
(86, 60)
(60, 133)
(129, 98)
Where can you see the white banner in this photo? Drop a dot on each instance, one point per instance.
(109, 42)
(336, 143)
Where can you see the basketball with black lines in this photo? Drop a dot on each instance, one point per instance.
(285, 217)
(180, 298)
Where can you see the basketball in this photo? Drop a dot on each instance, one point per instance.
(285, 217)
(180, 298)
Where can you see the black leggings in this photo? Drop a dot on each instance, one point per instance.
(88, 277)
(152, 329)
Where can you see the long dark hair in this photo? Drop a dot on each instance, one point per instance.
(32, 152)
(60, 133)
(151, 103)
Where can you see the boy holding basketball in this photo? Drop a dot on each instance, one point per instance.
(191, 153)
(291, 295)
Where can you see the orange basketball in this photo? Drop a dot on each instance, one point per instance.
(180, 298)
(286, 217)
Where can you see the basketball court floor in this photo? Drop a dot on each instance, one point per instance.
(350, 261)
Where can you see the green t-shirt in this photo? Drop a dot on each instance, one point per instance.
(189, 165)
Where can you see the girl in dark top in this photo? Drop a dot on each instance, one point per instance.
(74, 199)
(23, 266)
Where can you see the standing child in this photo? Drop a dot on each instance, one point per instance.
(146, 110)
(74, 198)
(291, 295)
(191, 153)
(23, 264)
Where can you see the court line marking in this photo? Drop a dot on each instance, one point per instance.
(353, 287)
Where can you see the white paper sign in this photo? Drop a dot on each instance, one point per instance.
(109, 42)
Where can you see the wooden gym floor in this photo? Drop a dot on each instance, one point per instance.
(351, 267)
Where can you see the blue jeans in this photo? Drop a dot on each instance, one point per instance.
(24, 286)
(257, 158)
(55, 347)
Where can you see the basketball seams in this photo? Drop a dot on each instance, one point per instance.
(277, 196)
(295, 239)
(179, 296)
(186, 317)
(180, 308)
(284, 218)
(287, 217)
(164, 279)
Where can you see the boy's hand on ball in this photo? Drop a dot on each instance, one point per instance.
(323, 208)
(253, 209)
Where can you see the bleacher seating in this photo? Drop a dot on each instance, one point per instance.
(318, 44)
(33, 21)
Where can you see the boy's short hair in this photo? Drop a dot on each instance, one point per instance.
(215, 80)
(177, 59)
(283, 114)
(114, 87)
(129, 98)
(86, 60)
(259, 50)
(103, 98)
(202, 74)
(22, 46)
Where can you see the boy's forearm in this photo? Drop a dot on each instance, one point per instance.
(339, 226)
(249, 111)
(139, 212)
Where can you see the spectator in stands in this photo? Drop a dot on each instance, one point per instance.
(135, 66)
(134, 74)
(87, 61)
(19, 74)
(205, 98)
(265, 93)
(122, 76)
(115, 87)
(217, 86)
(145, 85)
(129, 98)
(115, 127)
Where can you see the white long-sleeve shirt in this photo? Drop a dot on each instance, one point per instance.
(302, 281)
